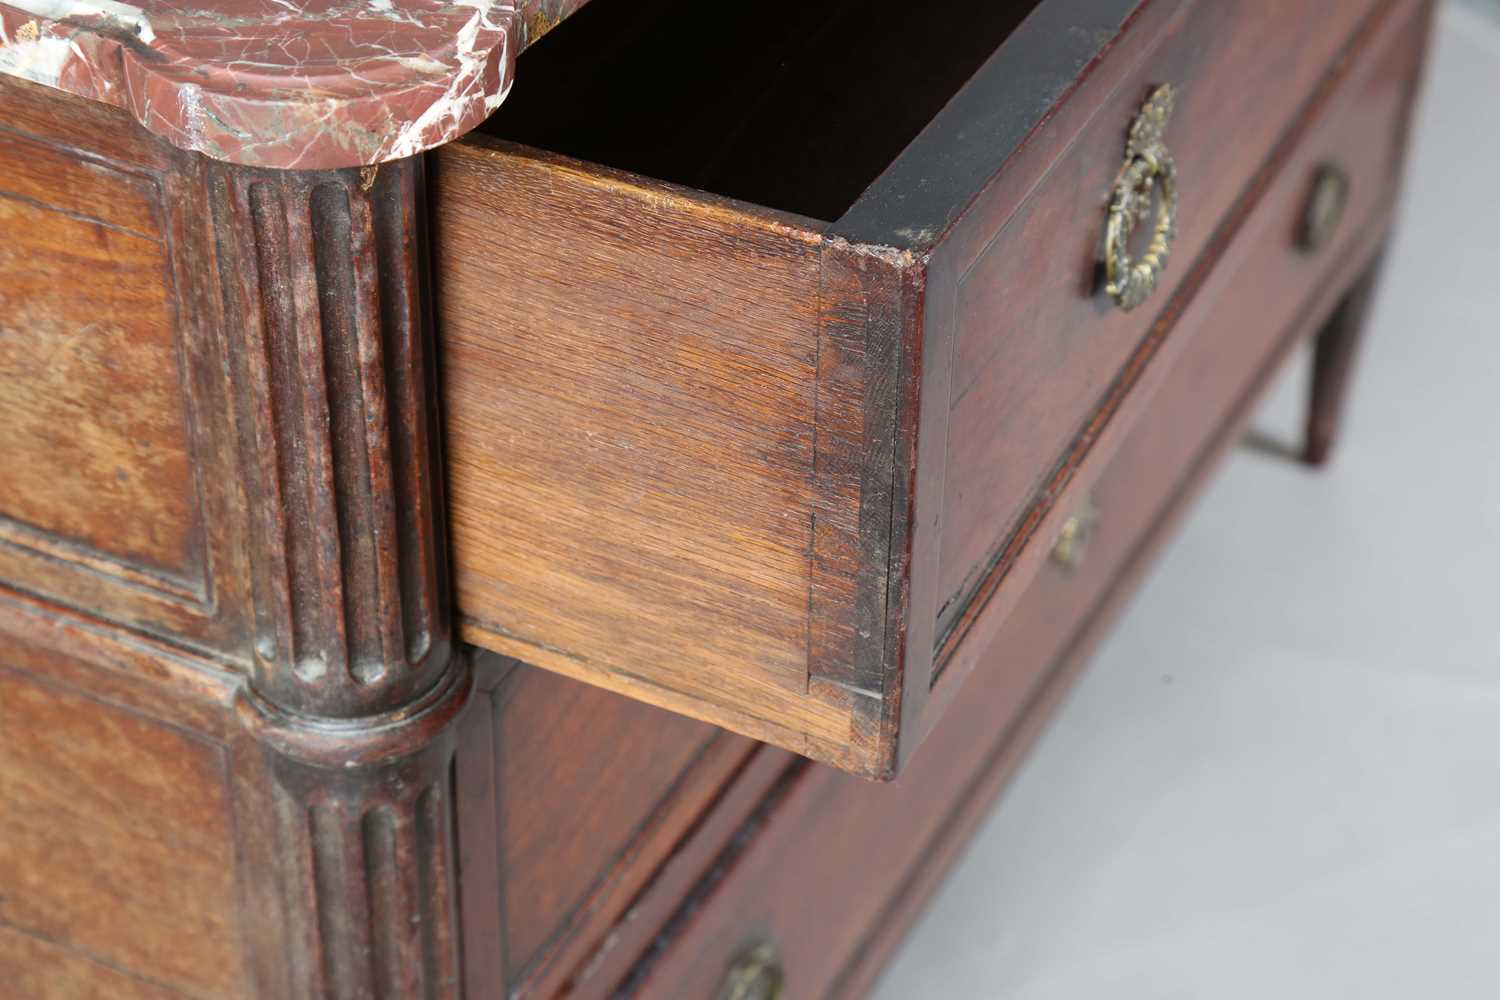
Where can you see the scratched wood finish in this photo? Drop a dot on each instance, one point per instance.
(345, 777)
(745, 466)
(114, 499)
(274, 480)
(114, 480)
(119, 725)
(117, 526)
(40, 970)
(117, 838)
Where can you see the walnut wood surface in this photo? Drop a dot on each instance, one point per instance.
(1034, 347)
(1056, 593)
(116, 839)
(116, 828)
(731, 463)
(635, 453)
(838, 867)
(587, 793)
(115, 499)
(682, 458)
(832, 927)
(554, 846)
(270, 348)
(1356, 118)
(117, 481)
(40, 970)
(345, 779)
(324, 296)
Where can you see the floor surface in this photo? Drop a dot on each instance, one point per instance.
(1280, 778)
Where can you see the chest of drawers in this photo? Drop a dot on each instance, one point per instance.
(814, 382)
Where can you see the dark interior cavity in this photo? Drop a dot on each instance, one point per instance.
(796, 106)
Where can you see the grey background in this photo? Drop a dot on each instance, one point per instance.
(1280, 778)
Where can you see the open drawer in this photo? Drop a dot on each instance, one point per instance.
(779, 467)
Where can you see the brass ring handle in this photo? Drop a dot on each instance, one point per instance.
(1148, 167)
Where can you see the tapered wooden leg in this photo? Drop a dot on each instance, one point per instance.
(1335, 353)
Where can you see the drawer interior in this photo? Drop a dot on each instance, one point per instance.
(798, 107)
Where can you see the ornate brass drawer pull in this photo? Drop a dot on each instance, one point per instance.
(1148, 168)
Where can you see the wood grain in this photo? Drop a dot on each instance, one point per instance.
(40, 970)
(1036, 346)
(107, 486)
(1049, 608)
(832, 870)
(1357, 118)
(683, 441)
(580, 772)
(728, 462)
(117, 502)
(115, 838)
(630, 382)
(344, 762)
(587, 793)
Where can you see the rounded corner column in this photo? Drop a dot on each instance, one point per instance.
(347, 732)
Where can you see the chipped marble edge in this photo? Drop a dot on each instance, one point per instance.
(111, 52)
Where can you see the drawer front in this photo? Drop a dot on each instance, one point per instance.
(837, 867)
(1035, 344)
(1099, 365)
(111, 498)
(571, 798)
(1269, 289)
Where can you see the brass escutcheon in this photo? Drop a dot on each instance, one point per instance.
(755, 975)
(1148, 168)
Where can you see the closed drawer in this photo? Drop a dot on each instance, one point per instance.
(772, 466)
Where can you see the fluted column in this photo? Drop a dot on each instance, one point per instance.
(345, 773)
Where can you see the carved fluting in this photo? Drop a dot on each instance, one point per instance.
(358, 840)
(322, 289)
(345, 791)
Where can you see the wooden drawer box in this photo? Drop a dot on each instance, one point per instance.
(787, 475)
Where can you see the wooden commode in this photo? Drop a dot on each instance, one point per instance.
(534, 498)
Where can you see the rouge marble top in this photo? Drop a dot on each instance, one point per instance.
(306, 84)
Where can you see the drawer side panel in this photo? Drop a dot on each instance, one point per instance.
(630, 383)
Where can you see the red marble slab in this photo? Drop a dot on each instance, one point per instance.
(305, 84)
